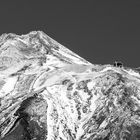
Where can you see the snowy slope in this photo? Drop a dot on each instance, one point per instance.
(48, 92)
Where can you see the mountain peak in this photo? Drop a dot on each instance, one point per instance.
(49, 92)
(34, 47)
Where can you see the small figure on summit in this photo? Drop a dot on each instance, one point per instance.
(118, 64)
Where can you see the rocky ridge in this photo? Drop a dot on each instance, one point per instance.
(48, 92)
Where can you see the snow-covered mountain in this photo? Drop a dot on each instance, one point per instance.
(48, 92)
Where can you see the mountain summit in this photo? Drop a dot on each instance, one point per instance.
(37, 44)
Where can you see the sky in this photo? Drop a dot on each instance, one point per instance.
(101, 31)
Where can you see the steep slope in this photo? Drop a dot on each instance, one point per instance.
(47, 92)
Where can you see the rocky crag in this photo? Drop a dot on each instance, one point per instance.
(48, 92)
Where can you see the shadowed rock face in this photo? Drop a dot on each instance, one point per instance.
(47, 92)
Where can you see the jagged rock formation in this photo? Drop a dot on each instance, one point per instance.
(47, 92)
